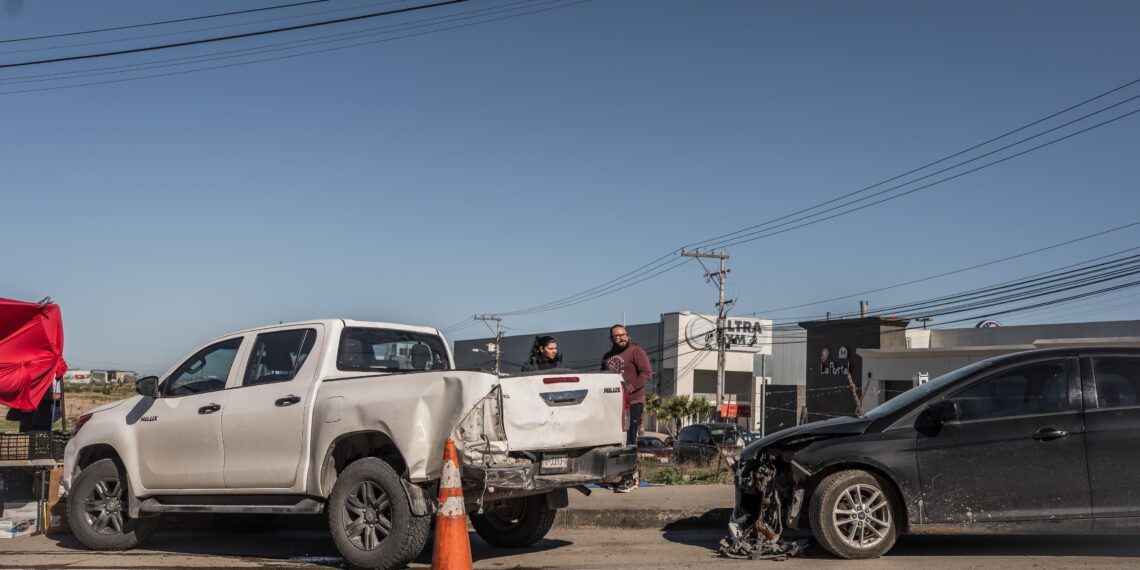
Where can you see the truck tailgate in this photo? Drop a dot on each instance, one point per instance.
(562, 410)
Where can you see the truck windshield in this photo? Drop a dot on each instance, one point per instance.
(370, 350)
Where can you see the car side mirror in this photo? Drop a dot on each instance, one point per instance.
(943, 411)
(147, 386)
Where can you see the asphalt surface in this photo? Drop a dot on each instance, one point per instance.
(576, 549)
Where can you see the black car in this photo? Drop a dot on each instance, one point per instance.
(1046, 441)
(701, 443)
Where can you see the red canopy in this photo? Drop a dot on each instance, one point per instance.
(31, 352)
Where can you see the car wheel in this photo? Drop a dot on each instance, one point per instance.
(513, 523)
(371, 517)
(97, 510)
(853, 515)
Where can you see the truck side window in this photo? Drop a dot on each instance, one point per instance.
(277, 356)
(206, 371)
(387, 350)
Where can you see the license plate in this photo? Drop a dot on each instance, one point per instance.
(551, 463)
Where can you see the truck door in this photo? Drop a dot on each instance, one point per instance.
(180, 434)
(264, 422)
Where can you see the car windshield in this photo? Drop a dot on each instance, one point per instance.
(922, 390)
(729, 435)
(371, 350)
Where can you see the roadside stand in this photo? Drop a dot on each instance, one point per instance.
(31, 452)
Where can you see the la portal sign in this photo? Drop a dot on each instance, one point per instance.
(742, 333)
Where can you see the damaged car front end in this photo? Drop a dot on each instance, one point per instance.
(772, 485)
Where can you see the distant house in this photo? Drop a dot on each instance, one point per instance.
(77, 377)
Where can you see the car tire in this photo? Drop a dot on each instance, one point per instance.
(367, 501)
(854, 515)
(97, 509)
(514, 523)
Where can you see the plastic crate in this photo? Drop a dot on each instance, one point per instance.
(32, 445)
(17, 484)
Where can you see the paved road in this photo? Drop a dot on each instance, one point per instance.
(579, 549)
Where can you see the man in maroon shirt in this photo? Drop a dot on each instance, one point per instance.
(629, 360)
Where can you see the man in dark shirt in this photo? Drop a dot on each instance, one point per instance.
(629, 360)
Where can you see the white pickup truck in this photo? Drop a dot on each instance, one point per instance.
(347, 418)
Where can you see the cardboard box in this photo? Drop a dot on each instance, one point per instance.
(56, 505)
(19, 519)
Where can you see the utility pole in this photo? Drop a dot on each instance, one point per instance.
(498, 336)
(721, 313)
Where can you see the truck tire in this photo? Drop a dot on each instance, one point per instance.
(853, 515)
(514, 523)
(97, 510)
(371, 517)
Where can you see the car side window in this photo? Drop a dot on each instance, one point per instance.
(688, 435)
(1117, 381)
(1036, 388)
(277, 356)
(706, 437)
(206, 371)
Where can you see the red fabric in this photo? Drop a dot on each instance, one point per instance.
(31, 352)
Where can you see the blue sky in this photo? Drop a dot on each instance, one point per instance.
(509, 164)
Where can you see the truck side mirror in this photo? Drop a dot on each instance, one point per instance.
(147, 386)
(943, 411)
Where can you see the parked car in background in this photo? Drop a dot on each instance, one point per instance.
(649, 446)
(702, 443)
(1045, 441)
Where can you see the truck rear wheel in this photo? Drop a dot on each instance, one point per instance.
(97, 510)
(371, 517)
(513, 523)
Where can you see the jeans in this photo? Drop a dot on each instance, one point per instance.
(635, 411)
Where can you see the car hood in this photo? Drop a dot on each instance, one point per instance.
(116, 403)
(848, 425)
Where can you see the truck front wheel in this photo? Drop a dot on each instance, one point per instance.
(513, 523)
(371, 517)
(97, 510)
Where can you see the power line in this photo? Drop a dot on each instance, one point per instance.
(766, 232)
(234, 36)
(750, 233)
(208, 29)
(710, 242)
(267, 48)
(239, 12)
(956, 271)
(1050, 276)
(290, 56)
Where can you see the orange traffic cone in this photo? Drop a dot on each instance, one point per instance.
(452, 548)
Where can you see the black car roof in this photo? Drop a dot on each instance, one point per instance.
(1065, 351)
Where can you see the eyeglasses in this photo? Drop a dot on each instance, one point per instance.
(622, 335)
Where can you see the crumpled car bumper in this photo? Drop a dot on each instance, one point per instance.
(554, 470)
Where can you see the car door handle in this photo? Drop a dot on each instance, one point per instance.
(209, 409)
(287, 401)
(1048, 434)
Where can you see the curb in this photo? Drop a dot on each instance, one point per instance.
(659, 519)
(569, 518)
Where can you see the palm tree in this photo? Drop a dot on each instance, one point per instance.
(676, 409)
(653, 407)
(702, 409)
